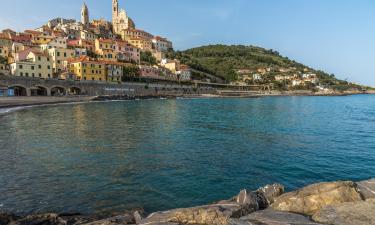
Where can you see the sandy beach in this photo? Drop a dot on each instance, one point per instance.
(9, 102)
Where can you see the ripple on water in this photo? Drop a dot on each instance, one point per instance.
(158, 155)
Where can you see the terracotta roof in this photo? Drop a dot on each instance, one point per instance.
(114, 63)
(106, 41)
(33, 32)
(83, 59)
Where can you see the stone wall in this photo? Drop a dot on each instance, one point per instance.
(50, 86)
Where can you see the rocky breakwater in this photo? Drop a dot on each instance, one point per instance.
(336, 203)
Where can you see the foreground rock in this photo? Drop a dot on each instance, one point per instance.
(367, 188)
(41, 219)
(312, 198)
(7, 218)
(350, 213)
(272, 217)
(243, 204)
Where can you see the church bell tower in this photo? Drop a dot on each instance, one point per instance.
(85, 15)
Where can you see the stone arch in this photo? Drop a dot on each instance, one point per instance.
(58, 90)
(39, 90)
(74, 90)
(17, 90)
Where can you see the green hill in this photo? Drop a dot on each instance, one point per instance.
(225, 61)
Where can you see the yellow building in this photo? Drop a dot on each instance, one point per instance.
(5, 40)
(4, 51)
(59, 56)
(86, 69)
(172, 65)
(32, 63)
(106, 49)
(42, 39)
(135, 33)
(142, 43)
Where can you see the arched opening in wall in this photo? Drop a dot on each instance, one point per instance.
(74, 91)
(17, 91)
(39, 91)
(58, 91)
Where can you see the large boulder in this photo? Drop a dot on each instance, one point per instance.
(272, 217)
(367, 188)
(217, 214)
(349, 213)
(312, 198)
(243, 204)
(116, 220)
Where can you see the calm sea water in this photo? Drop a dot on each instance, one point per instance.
(162, 154)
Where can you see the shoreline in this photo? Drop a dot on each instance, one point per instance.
(339, 202)
(10, 104)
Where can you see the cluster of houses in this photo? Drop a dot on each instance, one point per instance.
(96, 50)
(288, 76)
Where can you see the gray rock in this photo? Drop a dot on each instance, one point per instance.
(367, 188)
(272, 217)
(349, 213)
(117, 220)
(271, 192)
(248, 200)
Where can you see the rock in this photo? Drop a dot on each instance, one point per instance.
(312, 198)
(117, 220)
(367, 188)
(217, 214)
(248, 200)
(267, 195)
(41, 219)
(349, 213)
(138, 217)
(7, 218)
(272, 217)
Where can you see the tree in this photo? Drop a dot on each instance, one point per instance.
(130, 72)
(148, 58)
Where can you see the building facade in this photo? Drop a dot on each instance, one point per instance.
(35, 64)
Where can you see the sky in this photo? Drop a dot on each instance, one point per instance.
(337, 36)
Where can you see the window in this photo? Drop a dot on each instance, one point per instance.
(49, 75)
(33, 75)
(40, 66)
(32, 67)
(39, 58)
(48, 67)
(40, 75)
(64, 54)
(27, 74)
(21, 74)
(84, 78)
(20, 66)
(58, 54)
(93, 78)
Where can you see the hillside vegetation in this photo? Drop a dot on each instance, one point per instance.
(225, 61)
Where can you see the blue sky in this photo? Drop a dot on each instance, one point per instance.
(337, 36)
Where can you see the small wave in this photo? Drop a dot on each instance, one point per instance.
(1, 204)
(12, 109)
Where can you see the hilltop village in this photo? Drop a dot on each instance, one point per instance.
(115, 52)
(93, 50)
